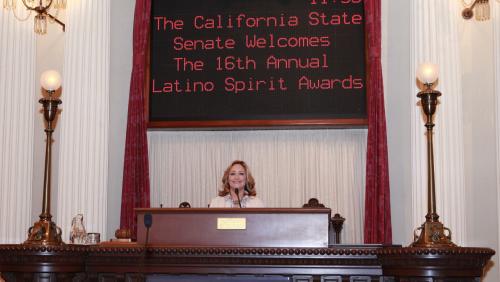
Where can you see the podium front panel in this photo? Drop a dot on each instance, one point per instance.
(248, 227)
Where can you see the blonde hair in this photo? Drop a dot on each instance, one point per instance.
(250, 182)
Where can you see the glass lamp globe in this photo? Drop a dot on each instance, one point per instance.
(50, 80)
(427, 73)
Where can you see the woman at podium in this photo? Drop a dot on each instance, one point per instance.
(238, 188)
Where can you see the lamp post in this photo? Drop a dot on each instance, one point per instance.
(45, 231)
(432, 232)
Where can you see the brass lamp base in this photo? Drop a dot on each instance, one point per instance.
(44, 232)
(432, 235)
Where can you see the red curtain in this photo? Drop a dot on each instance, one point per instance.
(377, 197)
(135, 189)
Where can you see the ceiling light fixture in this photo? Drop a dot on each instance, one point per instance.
(41, 7)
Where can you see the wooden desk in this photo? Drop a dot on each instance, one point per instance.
(134, 262)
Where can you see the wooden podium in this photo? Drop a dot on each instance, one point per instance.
(265, 245)
(222, 227)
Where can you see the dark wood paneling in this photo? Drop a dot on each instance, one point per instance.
(130, 262)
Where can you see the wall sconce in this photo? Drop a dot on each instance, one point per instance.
(41, 7)
(45, 232)
(480, 8)
(432, 232)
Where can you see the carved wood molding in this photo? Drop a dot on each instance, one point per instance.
(435, 251)
(235, 256)
(134, 258)
(436, 262)
(44, 249)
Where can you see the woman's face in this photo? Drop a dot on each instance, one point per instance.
(237, 176)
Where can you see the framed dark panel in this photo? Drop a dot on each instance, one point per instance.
(216, 278)
(256, 63)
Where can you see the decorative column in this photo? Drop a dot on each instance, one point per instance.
(17, 112)
(83, 163)
(435, 39)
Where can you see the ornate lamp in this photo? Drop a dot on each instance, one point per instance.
(432, 232)
(41, 8)
(45, 232)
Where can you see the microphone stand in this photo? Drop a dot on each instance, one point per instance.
(148, 222)
(237, 191)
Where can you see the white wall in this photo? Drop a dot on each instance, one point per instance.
(397, 82)
(122, 18)
(480, 136)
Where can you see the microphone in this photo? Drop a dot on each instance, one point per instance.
(237, 191)
(148, 221)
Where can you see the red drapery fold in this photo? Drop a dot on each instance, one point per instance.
(377, 197)
(135, 189)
